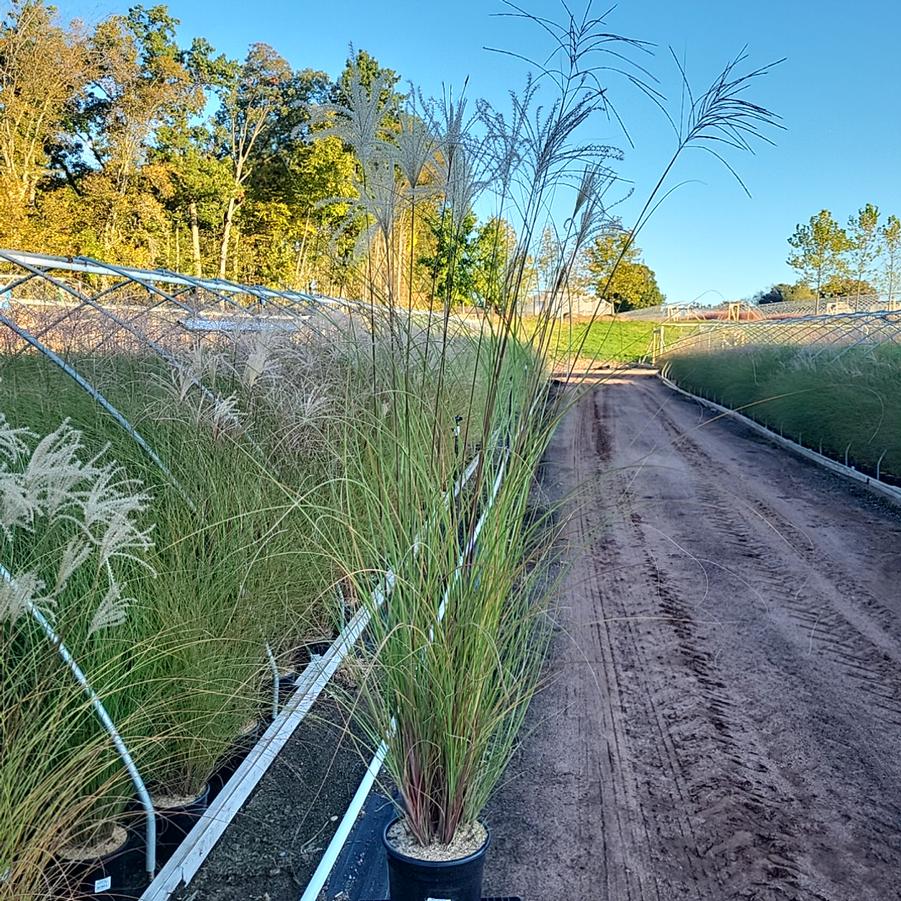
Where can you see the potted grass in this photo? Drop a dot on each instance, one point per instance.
(201, 678)
(225, 581)
(70, 540)
(456, 654)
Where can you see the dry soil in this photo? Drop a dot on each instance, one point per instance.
(724, 713)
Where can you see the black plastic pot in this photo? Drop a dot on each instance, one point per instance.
(117, 876)
(229, 764)
(287, 685)
(174, 823)
(410, 879)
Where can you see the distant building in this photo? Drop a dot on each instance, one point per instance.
(568, 306)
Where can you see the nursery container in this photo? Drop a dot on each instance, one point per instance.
(410, 879)
(287, 684)
(116, 876)
(174, 823)
(236, 755)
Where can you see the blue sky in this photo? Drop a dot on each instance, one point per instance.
(839, 95)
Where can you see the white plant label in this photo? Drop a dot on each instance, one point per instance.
(437, 899)
(102, 885)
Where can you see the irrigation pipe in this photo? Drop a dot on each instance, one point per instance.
(193, 851)
(106, 722)
(877, 485)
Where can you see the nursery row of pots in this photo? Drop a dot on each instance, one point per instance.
(114, 870)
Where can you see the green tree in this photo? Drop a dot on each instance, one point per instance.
(140, 83)
(619, 275)
(890, 236)
(452, 261)
(782, 292)
(819, 251)
(847, 286)
(863, 235)
(365, 68)
(493, 255)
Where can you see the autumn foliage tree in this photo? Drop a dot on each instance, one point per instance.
(43, 66)
(121, 142)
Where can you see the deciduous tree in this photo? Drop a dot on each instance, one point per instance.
(43, 65)
(819, 250)
(890, 236)
(620, 275)
(863, 234)
(253, 96)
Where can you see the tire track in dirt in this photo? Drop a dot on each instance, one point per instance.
(860, 647)
(705, 726)
(724, 719)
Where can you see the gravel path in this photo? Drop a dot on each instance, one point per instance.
(724, 715)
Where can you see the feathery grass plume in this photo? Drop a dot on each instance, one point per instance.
(413, 150)
(112, 610)
(13, 442)
(59, 487)
(55, 469)
(358, 122)
(223, 416)
(259, 360)
(19, 593)
(75, 553)
(18, 507)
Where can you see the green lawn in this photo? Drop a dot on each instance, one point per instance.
(602, 341)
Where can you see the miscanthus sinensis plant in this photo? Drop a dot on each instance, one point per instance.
(65, 517)
(71, 537)
(457, 649)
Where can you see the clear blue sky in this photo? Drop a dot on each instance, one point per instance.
(837, 93)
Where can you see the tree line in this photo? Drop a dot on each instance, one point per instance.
(120, 143)
(858, 260)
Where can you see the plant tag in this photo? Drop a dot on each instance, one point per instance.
(437, 899)
(102, 885)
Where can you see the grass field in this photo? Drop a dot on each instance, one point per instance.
(845, 403)
(608, 340)
(605, 340)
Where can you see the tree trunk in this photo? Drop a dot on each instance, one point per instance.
(195, 240)
(226, 234)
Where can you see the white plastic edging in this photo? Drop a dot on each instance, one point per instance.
(877, 485)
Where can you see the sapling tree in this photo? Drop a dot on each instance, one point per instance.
(863, 238)
(890, 238)
(819, 250)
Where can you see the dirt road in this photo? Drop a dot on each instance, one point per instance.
(724, 719)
